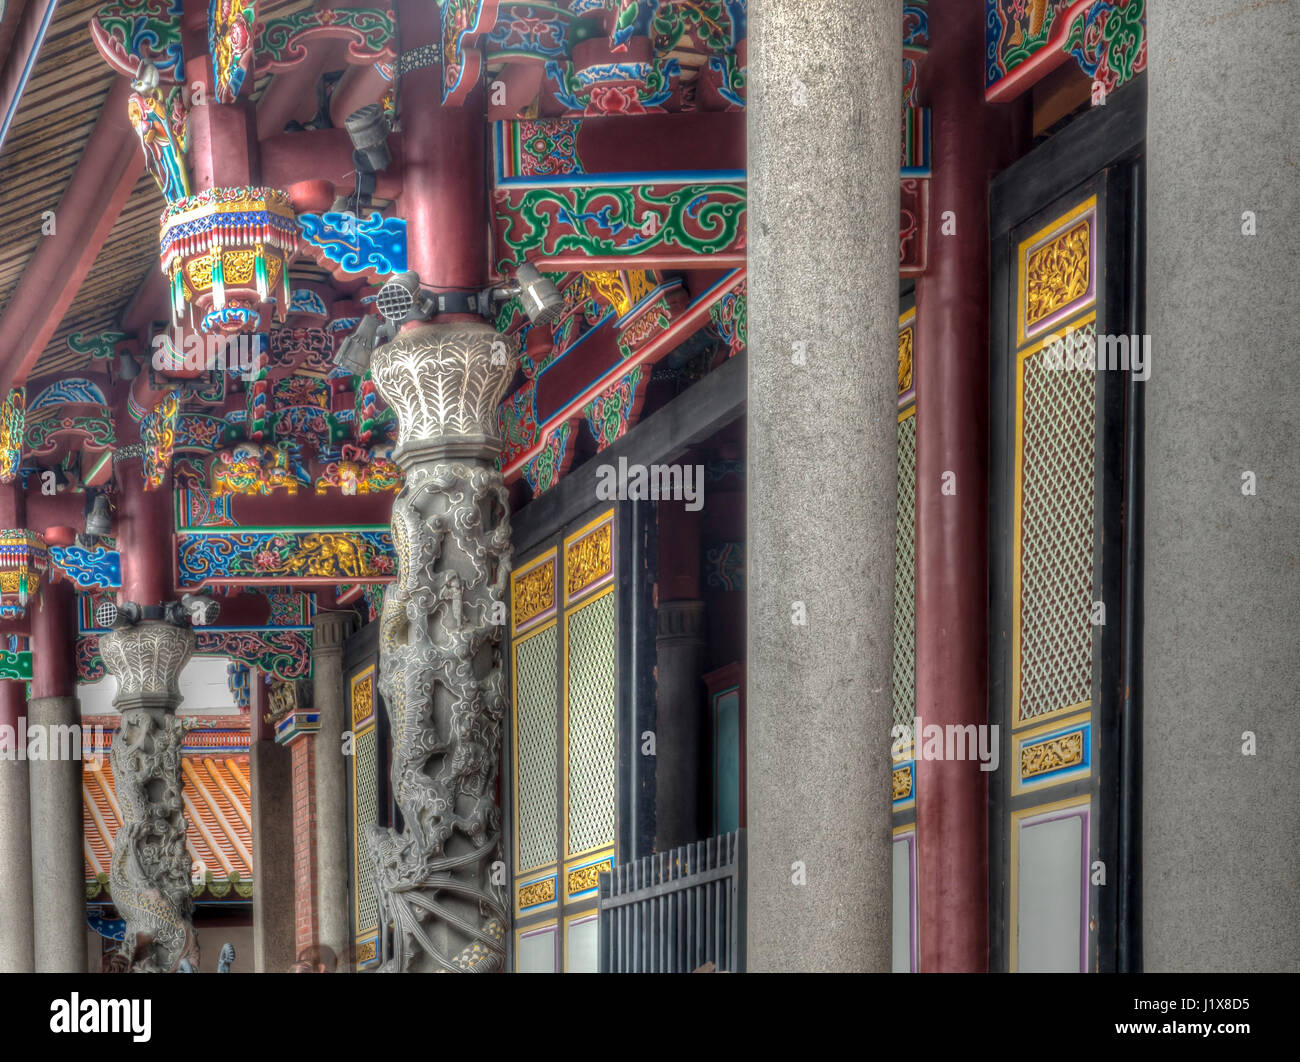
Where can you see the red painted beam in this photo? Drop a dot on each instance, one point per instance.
(21, 35)
(109, 168)
(13, 17)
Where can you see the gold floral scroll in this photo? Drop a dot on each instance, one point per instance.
(1052, 755)
(906, 338)
(583, 878)
(363, 697)
(1056, 270)
(537, 892)
(588, 560)
(533, 592)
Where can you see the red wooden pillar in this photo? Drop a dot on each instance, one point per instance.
(952, 437)
(54, 640)
(444, 190)
(223, 149)
(144, 535)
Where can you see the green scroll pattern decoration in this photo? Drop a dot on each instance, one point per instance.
(619, 221)
(15, 665)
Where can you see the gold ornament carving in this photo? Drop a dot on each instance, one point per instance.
(363, 699)
(282, 699)
(585, 878)
(1058, 273)
(1064, 751)
(534, 592)
(902, 783)
(906, 338)
(588, 559)
(538, 892)
(238, 268)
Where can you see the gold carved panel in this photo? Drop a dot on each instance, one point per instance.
(589, 558)
(533, 592)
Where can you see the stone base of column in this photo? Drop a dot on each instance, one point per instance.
(58, 871)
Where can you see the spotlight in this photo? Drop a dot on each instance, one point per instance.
(355, 351)
(98, 522)
(128, 615)
(540, 298)
(202, 609)
(369, 133)
(401, 299)
(127, 367)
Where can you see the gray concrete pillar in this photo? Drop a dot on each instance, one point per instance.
(1221, 652)
(271, 779)
(329, 631)
(16, 942)
(823, 311)
(681, 730)
(273, 899)
(58, 869)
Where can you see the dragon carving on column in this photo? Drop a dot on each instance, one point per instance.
(150, 869)
(440, 654)
(149, 874)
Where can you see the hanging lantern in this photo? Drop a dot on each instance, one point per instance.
(227, 250)
(23, 561)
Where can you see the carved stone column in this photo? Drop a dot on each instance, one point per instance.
(440, 649)
(150, 871)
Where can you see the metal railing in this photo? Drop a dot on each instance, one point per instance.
(675, 911)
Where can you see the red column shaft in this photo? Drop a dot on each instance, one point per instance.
(13, 703)
(444, 190)
(222, 136)
(952, 437)
(54, 641)
(143, 526)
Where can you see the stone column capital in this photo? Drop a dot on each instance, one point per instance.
(147, 660)
(681, 621)
(445, 382)
(330, 630)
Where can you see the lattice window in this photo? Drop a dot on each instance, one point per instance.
(366, 783)
(536, 661)
(592, 761)
(905, 579)
(1056, 551)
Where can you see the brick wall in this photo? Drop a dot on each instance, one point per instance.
(304, 842)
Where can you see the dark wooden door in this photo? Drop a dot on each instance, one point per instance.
(1066, 245)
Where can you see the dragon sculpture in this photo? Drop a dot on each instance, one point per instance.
(442, 680)
(150, 870)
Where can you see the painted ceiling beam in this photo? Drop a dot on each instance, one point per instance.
(108, 170)
(21, 36)
(11, 15)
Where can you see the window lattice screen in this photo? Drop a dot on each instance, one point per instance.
(366, 780)
(592, 755)
(905, 579)
(1056, 553)
(535, 665)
